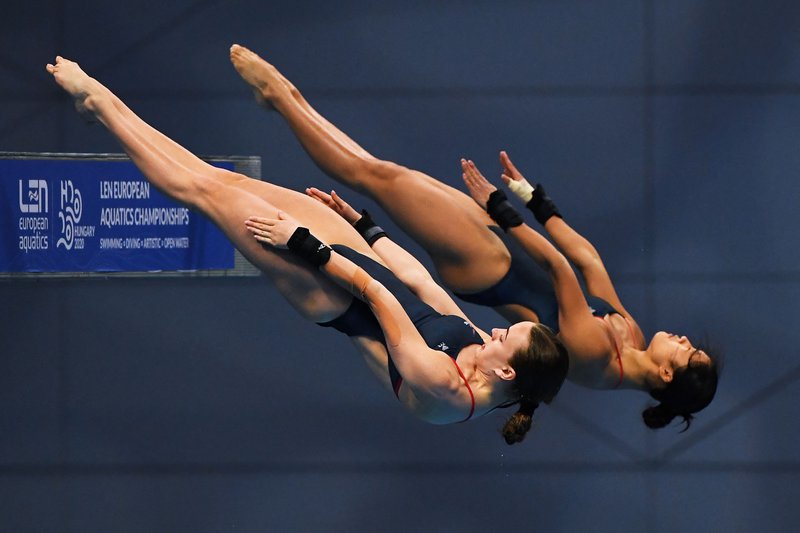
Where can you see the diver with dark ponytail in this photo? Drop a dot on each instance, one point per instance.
(540, 366)
(606, 347)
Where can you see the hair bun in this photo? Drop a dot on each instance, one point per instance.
(517, 427)
(657, 416)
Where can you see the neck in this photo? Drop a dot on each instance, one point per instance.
(638, 369)
(485, 384)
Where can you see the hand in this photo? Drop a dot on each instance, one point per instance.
(335, 202)
(479, 188)
(515, 181)
(273, 231)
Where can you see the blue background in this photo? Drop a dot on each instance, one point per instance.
(666, 131)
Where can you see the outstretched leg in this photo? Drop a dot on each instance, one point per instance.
(446, 222)
(225, 197)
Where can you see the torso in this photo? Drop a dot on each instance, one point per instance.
(603, 369)
(600, 370)
(446, 334)
(464, 401)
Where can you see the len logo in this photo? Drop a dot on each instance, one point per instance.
(34, 198)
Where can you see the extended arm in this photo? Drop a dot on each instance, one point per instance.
(579, 329)
(405, 266)
(427, 371)
(577, 248)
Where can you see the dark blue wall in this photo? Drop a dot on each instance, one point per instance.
(666, 130)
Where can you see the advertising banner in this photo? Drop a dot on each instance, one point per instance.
(83, 215)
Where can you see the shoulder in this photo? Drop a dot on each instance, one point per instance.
(589, 342)
(629, 330)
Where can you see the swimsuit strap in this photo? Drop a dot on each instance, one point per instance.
(469, 389)
(460, 373)
(619, 354)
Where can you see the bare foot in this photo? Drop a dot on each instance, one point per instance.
(75, 81)
(268, 84)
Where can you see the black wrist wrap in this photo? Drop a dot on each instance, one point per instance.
(542, 206)
(368, 229)
(501, 210)
(308, 247)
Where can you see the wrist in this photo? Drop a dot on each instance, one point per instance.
(368, 229)
(304, 245)
(501, 211)
(542, 206)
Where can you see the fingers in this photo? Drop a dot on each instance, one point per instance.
(472, 173)
(322, 197)
(505, 161)
(338, 200)
(318, 194)
(469, 170)
(259, 231)
(511, 170)
(259, 220)
(466, 175)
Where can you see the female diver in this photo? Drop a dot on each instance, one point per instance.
(482, 264)
(443, 369)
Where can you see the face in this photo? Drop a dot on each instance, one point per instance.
(670, 352)
(504, 343)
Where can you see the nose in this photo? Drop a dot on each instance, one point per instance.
(495, 334)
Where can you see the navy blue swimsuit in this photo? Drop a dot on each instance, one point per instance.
(446, 333)
(527, 285)
(524, 284)
(600, 307)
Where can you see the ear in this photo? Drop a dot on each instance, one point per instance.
(665, 373)
(505, 373)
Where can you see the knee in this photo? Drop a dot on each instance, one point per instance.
(203, 191)
(381, 171)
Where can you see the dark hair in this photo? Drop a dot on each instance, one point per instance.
(692, 388)
(540, 369)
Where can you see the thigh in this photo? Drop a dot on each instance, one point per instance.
(229, 203)
(446, 223)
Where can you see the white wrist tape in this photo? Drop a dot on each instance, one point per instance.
(522, 189)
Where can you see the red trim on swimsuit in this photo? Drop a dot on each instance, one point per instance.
(469, 389)
(619, 355)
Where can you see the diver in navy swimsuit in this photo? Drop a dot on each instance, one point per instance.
(387, 310)
(446, 333)
(524, 364)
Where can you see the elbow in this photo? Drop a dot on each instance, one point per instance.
(415, 279)
(558, 265)
(588, 259)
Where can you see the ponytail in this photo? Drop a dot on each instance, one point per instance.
(659, 416)
(540, 368)
(520, 422)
